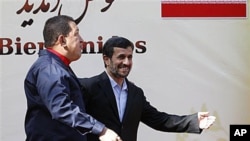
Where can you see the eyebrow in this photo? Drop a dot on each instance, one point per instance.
(77, 30)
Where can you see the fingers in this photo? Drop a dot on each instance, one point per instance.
(203, 114)
(210, 120)
(207, 122)
(109, 135)
(118, 138)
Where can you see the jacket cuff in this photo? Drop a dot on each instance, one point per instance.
(98, 128)
(196, 123)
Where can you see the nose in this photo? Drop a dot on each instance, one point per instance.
(126, 61)
(81, 41)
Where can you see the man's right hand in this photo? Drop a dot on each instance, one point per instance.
(109, 135)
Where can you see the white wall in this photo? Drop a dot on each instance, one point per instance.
(190, 65)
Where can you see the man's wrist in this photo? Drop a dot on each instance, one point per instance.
(103, 131)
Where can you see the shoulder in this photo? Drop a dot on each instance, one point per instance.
(133, 87)
(49, 66)
(88, 81)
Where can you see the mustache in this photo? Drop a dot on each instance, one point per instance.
(124, 66)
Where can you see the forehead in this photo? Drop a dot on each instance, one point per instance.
(73, 26)
(118, 50)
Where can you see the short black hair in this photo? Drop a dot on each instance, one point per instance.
(115, 41)
(54, 27)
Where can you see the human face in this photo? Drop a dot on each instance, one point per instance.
(73, 43)
(121, 63)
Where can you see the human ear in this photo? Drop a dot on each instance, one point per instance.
(62, 41)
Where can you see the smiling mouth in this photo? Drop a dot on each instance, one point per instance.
(124, 68)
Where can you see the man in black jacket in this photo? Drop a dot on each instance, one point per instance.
(112, 99)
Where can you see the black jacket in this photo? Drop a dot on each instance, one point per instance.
(100, 103)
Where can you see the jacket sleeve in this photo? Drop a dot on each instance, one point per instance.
(169, 122)
(61, 97)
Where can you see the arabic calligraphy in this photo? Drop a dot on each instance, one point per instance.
(46, 6)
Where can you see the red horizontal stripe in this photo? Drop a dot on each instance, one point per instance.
(203, 10)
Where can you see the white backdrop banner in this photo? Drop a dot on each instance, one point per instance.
(184, 65)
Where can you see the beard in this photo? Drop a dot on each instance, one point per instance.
(120, 71)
